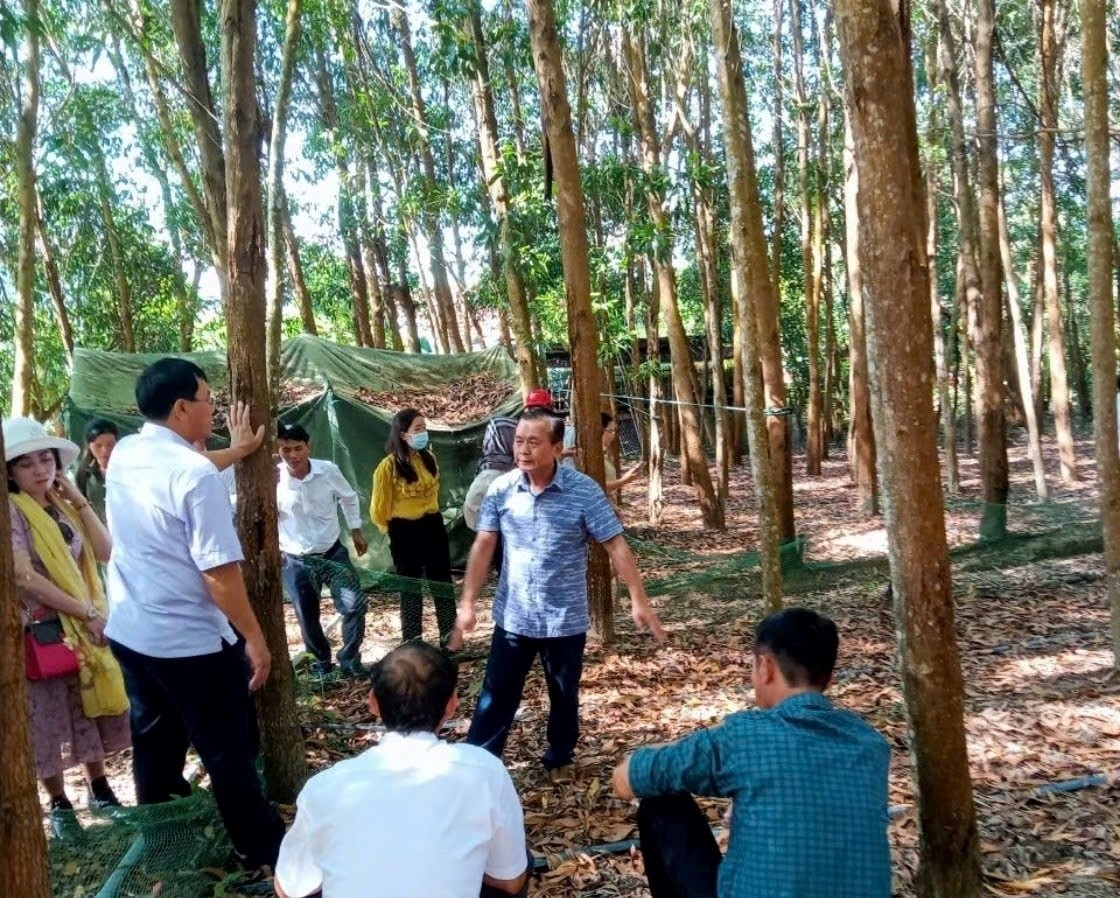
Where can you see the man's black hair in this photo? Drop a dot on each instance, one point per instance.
(412, 685)
(606, 418)
(803, 642)
(296, 433)
(164, 383)
(555, 422)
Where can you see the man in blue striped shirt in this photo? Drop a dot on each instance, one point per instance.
(808, 784)
(546, 514)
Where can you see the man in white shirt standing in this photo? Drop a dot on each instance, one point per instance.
(414, 815)
(309, 493)
(175, 588)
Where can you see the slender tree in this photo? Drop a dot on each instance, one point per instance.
(1094, 78)
(680, 352)
(1048, 126)
(748, 248)
(483, 96)
(861, 437)
(989, 344)
(23, 380)
(277, 198)
(875, 50)
(583, 335)
(23, 846)
(285, 766)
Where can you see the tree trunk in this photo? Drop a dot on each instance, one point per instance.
(948, 429)
(23, 374)
(656, 441)
(582, 333)
(779, 154)
(285, 766)
(1022, 361)
(277, 199)
(369, 258)
(862, 436)
(295, 271)
(1038, 311)
(1077, 357)
(432, 229)
(23, 845)
(874, 48)
(809, 280)
(54, 280)
(757, 297)
(691, 439)
(519, 316)
(186, 20)
(748, 250)
(1059, 379)
(989, 347)
(1094, 78)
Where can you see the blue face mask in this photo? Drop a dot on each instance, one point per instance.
(419, 440)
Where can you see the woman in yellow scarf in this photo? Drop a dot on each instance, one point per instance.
(57, 540)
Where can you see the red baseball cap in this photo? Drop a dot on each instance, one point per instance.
(539, 398)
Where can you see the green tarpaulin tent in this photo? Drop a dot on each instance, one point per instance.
(343, 429)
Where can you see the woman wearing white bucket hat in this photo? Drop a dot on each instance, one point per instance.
(57, 540)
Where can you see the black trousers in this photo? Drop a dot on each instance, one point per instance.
(303, 577)
(679, 851)
(421, 550)
(202, 701)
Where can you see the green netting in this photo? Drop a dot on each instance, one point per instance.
(343, 429)
(173, 850)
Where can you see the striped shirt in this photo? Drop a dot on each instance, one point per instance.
(542, 591)
(809, 783)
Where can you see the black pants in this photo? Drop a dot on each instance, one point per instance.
(511, 656)
(202, 701)
(304, 576)
(679, 851)
(421, 550)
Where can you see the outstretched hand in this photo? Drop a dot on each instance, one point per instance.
(645, 618)
(242, 437)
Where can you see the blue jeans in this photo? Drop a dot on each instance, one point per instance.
(511, 656)
(304, 576)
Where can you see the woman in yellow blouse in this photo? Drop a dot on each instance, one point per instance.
(405, 505)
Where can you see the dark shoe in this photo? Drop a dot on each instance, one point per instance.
(563, 775)
(101, 795)
(353, 669)
(64, 824)
(320, 670)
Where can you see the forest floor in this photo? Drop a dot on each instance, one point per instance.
(1034, 641)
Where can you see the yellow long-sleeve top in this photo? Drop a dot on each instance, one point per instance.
(395, 497)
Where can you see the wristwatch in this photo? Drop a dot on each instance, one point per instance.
(92, 612)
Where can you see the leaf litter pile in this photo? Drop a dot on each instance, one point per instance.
(460, 401)
(1034, 642)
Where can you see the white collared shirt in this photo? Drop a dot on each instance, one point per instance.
(308, 508)
(170, 518)
(413, 816)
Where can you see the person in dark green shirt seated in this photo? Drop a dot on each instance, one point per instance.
(808, 783)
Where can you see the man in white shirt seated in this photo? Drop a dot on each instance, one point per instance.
(176, 594)
(309, 492)
(413, 816)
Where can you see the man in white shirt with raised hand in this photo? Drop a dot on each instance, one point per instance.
(309, 493)
(176, 594)
(414, 815)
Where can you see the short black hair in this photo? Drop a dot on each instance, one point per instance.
(296, 433)
(164, 383)
(606, 418)
(555, 422)
(803, 642)
(99, 427)
(412, 685)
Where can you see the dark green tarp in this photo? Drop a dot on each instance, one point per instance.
(343, 429)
